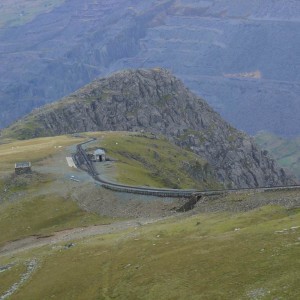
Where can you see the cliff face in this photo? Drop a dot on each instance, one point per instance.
(156, 101)
(240, 56)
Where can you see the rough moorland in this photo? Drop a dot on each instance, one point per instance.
(217, 256)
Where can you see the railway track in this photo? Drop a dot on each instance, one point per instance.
(83, 162)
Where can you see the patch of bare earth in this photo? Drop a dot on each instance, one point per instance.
(71, 234)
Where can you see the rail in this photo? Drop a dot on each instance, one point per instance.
(84, 163)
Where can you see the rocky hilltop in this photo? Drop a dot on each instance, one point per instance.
(242, 57)
(156, 101)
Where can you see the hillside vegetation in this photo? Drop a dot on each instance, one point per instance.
(43, 215)
(34, 150)
(251, 255)
(231, 253)
(39, 203)
(43, 202)
(149, 160)
(285, 151)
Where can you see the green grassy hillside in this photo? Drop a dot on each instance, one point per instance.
(18, 12)
(148, 160)
(222, 255)
(253, 255)
(34, 150)
(43, 215)
(140, 159)
(285, 151)
(39, 203)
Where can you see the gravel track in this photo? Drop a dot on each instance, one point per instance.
(32, 242)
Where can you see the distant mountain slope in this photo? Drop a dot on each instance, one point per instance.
(60, 51)
(18, 12)
(286, 151)
(214, 46)
(154, 100)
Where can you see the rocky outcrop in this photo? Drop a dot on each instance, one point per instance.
(156, 101)
(213, 46)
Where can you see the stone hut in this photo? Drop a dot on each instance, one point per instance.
(99, 155)
(23, 168)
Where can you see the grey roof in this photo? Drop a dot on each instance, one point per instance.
(99, 152)
(21, 165)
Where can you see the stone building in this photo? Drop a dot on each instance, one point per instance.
(22, 168)
(99, 155)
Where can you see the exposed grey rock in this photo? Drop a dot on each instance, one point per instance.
(6, 267)
(31, 267)
(156, 101)
(211, 45)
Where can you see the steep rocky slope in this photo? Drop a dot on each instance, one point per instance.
(241, 56)
(156, 101)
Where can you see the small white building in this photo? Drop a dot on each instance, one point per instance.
(99, 155)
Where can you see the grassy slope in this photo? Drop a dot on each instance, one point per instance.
(287, 152)
(9, 277)
(42, 215)
(31, 204)
(34, 150)
(145, 160)
(28, 208)
(18, 12)
(201, 257)
(140, 160)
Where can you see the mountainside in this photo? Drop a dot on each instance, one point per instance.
(154, 100)
(285, 151)
(19, 12)
(146, 160)
(72, 239)
(242, 57)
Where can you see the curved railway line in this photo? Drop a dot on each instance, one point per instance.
(84, 163)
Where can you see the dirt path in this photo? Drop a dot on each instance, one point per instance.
(71, 234)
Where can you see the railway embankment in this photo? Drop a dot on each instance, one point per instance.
(193, 197)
